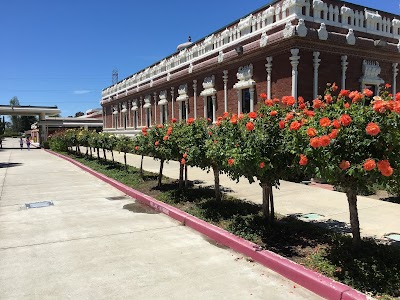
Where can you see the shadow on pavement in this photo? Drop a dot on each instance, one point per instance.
(10, 165)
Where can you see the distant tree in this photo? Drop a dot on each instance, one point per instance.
(27, 121)
(15, 120)
(79, 114)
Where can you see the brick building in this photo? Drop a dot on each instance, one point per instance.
(289, 47)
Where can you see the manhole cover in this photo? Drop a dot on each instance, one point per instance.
(311, 216)
(393, 236)
(118, 198)
(39, 204)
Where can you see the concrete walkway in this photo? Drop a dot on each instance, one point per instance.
(377, 218)
(96, 243)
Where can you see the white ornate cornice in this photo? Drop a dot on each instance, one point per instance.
(289, 30)
(264, 39)
(208, 86)
(147, 101)
(182, 93)
(163, 98)
(301, 28)
(322, 32)
(350, 37)
(244, 76)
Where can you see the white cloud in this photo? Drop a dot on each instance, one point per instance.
(81, 92)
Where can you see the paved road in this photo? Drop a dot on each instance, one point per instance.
(87, 246)
(377, 218)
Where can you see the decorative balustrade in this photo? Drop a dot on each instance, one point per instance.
(280, 12)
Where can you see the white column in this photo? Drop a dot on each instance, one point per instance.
(344, 69)
(251, 90)
(155, 108)
(195, 98)
(225, 78)
(294, 61)
(187, 109)
(43, 131)
(395, 72)
(128, 104)
(316, 61)
(239, 101)
(180, 110)
(214, 103)
(268, 66)
(172, 102)
(161, 113)
(104, 118)
(141, 111)
(205, 107)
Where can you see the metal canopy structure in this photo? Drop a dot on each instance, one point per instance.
(29, 110)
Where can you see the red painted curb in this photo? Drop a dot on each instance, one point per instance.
(315, 282)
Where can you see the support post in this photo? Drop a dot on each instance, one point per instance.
(316, 61)
(294, 61)
(225, 78)
(344, 69)
(268, 67)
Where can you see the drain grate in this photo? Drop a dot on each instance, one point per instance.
(118, 198)
(39, 204)
(311, 216)
(393, 236)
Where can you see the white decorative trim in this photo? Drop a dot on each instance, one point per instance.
(263, 39)
(395, 73)
(151, 82)
(190, 69)
(147, 101)
(244, 76)
(221, 56)
(208, 86)
(322, 32)
(371, 71)
(124, 109)
(301, 28)
(398, 46)
(225, 79)
(268, 67)
(195, 98)
(316, 62)
(115, 110)
(163, 98)
(350, 37)
(134, 105)
(182, 92)
(168, 76)
(289, 30)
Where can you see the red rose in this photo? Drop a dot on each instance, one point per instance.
(252, 115)
(344, 165)
(173, 120)
(372, 129)
(273, 113)
(231, 161)
(282, 124)
(303, 160)
(344, 93)
(369, 165)
(295, 125)
(324, 140)
(311, 132)
(334, 134)
(190, 120)
(263, 95)
(315, 143)
(262, 165)
(368, 92)
(250, 126)
(345, 120)
(269, 102)
(325, 122)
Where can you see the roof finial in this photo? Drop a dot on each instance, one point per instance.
(189, 39)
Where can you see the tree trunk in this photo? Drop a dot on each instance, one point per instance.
(91, 154)
(265, 200)
(181, 168)
(112, 154)
(126, 166)
(98, 153)
(104, 153)
(186, 177)
(87, 152)
(160, 173)
(354, 222)
(141, 168)
(271, 202)
(216, 183)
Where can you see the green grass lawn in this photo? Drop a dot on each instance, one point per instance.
(374, 270)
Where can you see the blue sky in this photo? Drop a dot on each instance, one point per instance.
(63, 52)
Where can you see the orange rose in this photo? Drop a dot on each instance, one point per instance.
(183, 161)
(282, 124)
(344, 93)
(344, 165)
(273, 113)
(290, 101)
(369, 165)
(334, 134)
(387, 172)
(372, 129)
(263, 95)
(184, 155)
(368, 93)
(295, 125)
(300, 100)
(328, 98)
(269, 102)
(325, 122)
(165, 138)
(303, 160)
(311, 132)
(345, 120)
(315, 143)
(318, 103)
(250, 126)
(173, 120)
(137, 148)
(346, 105)
(190, 120)
(324, 140)
(231, 161)
(383, 164)
(234, 120)
(252, 115)
(262, 165)
(336, 124)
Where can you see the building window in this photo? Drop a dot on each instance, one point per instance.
(164, 114)
(148, 117)
(183, 110)
(245, 101)
(374, 90)
(135, 119)
(210, 108)
(125, 120)
(116, 121)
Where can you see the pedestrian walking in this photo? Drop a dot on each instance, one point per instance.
(21, 143)
(28, 143)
